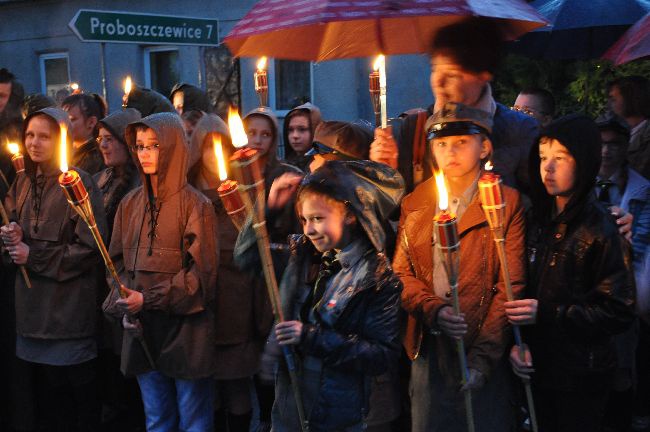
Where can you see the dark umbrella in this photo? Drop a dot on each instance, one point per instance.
(634, 44)
(579, 29)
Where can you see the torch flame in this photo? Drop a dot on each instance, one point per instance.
(63, 162)
(236, 127)
(488, 166)
(74, 86)
(13, 148)
(443, 198)
(261, 64)
(221, 161)
(127, 85)
(378, 62)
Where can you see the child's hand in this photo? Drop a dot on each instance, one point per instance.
(521, 368)
(521, 312)
(19, 253)
(288, 332)
(384, 148)
(132, 303)
(624, 221)
(282, 190)
(451, 324)
(12, 234)
(475, 381)
(132, 326)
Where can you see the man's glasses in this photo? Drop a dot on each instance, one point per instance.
(525, 110)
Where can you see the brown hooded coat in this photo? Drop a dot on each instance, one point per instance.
(243, 311)
(64, 260)
(169, 253)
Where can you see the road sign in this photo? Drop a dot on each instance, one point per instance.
(124, 27)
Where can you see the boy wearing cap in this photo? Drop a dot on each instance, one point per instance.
(458, 137)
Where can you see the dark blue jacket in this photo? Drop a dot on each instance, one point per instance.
(355, 333)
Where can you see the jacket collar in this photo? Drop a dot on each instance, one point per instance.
(352, 253)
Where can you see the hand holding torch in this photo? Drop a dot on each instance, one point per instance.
(77, 196)
(251, 183)
(446, 231)
(494, 205)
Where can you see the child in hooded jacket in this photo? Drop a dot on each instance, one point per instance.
(165, 249)
(339, 296)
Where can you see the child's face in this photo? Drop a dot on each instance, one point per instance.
(260, 133)
(460, 155)
(40, 139)
(325, 222)
(146, 143)
(299, 133)
(557, 168)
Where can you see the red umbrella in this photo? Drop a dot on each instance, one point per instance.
(332, 29)
(634, 44)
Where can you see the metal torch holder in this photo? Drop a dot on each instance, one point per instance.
(262, 88)
(375, 94)
(251, 183)
(451, 262)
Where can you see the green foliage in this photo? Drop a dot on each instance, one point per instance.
(578, 86)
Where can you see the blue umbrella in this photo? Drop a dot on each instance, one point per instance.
(579, 29)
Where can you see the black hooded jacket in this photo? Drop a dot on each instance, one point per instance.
(580, 268)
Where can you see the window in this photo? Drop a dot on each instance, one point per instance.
(161, 70)
(55, 73)
(292, 85)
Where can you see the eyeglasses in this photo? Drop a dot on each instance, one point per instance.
(140, 148)
(320, 148)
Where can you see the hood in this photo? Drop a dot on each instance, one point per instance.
(272, 154)
(173, 152)
(117, 122)
(580, 135)
(314, 120)
(194, 99)
(351, 139)
(35, 102)
(148, 101)
(210, 123)
(59, 116)
(374, 191)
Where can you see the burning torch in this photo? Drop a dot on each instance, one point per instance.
(261, 82)
(17, 158)
(377, 87)
(251, 184)
(128, 86)
(494, 205)
(15, 150)
(229, 189)
(446, 230)
(77, 196)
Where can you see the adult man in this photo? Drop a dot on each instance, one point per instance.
(537, 103)
(629, 98)
(85, 111)
(462, 66)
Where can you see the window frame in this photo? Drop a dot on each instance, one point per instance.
(147, 60)
(42, 58)
(281, 114)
